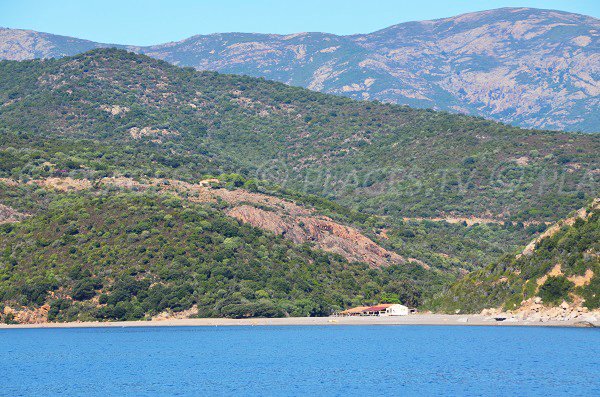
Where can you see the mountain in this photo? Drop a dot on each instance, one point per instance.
(528, 67)
(131, 188)
(376, 158)
(19, 44)
(561, 265)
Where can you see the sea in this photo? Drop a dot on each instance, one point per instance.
(301, 361)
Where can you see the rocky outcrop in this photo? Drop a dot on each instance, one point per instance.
(64, 184)
(19, 44)
(322, 231)
(115, 109)
(25, 315)
(297, 223)
(171, 315)
(9, 215)
(533, 310)
(138, 133)
(529, 67)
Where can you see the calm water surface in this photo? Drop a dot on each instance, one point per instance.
(330, 360)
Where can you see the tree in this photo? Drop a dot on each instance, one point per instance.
(84, 290)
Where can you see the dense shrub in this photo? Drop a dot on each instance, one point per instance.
(84, 290)
(555, 290)
(370, 156)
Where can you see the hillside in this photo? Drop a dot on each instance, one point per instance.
(59, 135)
(562, 265)
(159, 120)
(196, 186)
(528, 67)
(125, 250)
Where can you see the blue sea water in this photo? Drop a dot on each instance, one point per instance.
(300, 361)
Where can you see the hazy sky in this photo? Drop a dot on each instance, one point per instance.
(144, 22)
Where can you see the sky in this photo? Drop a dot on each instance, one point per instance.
(144, 22)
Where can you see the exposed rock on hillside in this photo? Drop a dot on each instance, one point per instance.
(17, 44)
(326, 234)
(9, 215)
(534, 311)
(287, 218)
(27, 315)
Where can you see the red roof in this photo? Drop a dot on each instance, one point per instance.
(377, 308)
(355, 310)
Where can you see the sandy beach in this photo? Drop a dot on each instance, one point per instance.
(417, 319)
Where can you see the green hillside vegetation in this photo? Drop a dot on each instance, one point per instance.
(450, 246)
(375, 66)
(441, 245)
(118, 255)
(32, 157)
(123, 254)
(507, 283)
(376, 158)
(116, 234)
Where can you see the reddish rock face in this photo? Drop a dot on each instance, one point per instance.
(297, 223)
(323, 232)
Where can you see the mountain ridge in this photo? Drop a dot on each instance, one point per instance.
(506, 64)
(355, 151)
(75, 121)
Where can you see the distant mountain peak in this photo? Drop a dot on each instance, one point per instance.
(525, 66)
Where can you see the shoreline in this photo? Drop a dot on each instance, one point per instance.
(415, 319)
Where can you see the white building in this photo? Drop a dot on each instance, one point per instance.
(396, 310)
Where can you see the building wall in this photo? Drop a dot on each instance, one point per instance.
(397, 310)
